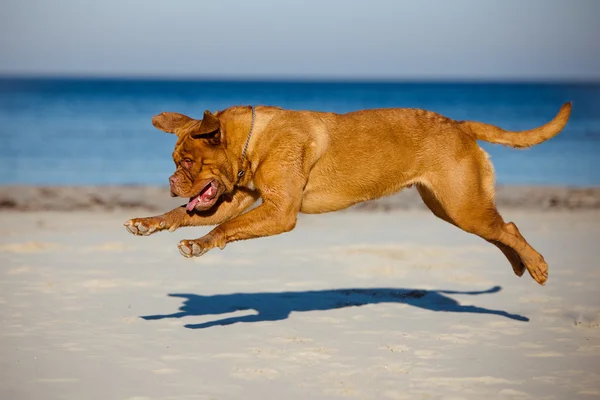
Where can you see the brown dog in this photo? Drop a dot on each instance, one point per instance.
(316, 162)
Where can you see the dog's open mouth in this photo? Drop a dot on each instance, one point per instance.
(205, 198)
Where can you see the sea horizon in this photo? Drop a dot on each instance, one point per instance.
(6, 76)
(96, 130)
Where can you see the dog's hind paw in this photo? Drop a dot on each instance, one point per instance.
(539, 272)
(145, 226)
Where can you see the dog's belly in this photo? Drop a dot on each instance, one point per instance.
(317, 203)
(359, 164)
(327, 195)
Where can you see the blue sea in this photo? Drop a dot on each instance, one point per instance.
(98, 131)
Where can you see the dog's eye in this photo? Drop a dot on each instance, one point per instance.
(186, 163)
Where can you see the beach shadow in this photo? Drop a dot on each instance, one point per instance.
(277, 306)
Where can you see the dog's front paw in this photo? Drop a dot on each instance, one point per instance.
(194, 248)
(145, 226)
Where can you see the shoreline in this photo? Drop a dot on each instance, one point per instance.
(25, 198)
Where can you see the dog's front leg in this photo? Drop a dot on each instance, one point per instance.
(282, 198)
(265, 220)
(225, 209)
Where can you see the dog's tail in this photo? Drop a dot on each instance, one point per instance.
(493, 134)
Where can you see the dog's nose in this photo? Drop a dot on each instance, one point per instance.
(172, 183)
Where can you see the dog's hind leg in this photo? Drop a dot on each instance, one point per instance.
(434, 205)
(464, 197)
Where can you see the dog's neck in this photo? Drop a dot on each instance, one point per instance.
(242, 171)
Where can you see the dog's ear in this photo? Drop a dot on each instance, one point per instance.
(170, 122)
(210, 128)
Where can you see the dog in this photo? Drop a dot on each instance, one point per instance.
(317, 162)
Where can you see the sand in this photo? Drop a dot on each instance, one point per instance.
(366, 305)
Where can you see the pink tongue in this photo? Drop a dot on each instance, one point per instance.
(208, 191)
(192, 204)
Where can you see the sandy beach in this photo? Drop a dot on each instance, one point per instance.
(382, 301)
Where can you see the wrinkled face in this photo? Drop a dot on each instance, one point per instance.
(203, 172)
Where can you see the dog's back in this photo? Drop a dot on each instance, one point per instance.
(367, 154)
(372, 153)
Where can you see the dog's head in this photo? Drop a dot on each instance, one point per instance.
(203, 171)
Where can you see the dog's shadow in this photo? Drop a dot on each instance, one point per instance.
(278, 306)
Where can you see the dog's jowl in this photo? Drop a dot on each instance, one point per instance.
(316, 162)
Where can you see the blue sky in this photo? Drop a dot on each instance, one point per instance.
(374, 39)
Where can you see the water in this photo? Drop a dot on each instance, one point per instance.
(87, 132)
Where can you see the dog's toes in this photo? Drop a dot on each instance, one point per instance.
(145, 226)
(142, 228)
(184, 249)
(539, 272)
(131, 227)
(191, 248)
(196, 250)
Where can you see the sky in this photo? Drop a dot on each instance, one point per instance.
(320, 39)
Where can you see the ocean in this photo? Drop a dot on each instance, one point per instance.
(98, 131)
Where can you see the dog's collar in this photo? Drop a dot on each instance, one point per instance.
(242, 172)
